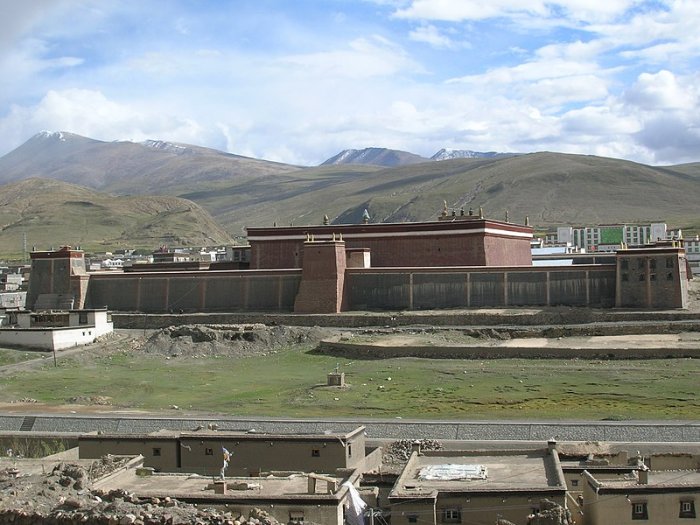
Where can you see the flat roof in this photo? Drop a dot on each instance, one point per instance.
(511, 471)
(228, 434)
(193, 487)
(659, 479)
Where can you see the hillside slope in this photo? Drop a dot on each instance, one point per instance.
(549, 188)
(151, 167)
(54, 213)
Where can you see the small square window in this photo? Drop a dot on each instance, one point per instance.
(574, 483)
(412, 518)
(453, 515)
(669, 262)
(315, 453)
(208, 451)
(687, 509)
(639, 511)
(156, 451)
(642, 276)
(669, 276)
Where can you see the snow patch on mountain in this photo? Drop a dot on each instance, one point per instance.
(45, 134)
(165, 146)
(447, 154)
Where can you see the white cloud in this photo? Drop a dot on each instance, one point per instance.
(461, 10)
(430, 34)
(661, 91)
(91, 114)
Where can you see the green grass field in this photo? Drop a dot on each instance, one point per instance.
(292, 383)
(9, 356)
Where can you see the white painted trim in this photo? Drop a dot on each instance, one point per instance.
(383, 235)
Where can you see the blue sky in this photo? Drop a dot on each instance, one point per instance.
(299, 80)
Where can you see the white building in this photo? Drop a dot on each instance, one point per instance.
(609, 237)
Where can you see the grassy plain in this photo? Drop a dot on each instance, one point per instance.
(291, 382)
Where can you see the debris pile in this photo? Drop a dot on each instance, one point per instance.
(401, 450)
(227, 340)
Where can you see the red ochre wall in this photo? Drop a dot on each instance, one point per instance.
(474, 249)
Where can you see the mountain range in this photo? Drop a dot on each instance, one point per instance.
(549, 188)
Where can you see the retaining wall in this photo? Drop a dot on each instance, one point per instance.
(637, 431)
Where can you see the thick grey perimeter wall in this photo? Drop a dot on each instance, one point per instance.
(365, 289)
(195, 291)
(405, 289)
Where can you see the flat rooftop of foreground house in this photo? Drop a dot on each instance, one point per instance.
(508, 471)
(658, 481)
(292, 487)
(230, 434)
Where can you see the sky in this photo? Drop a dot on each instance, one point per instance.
(297, 81)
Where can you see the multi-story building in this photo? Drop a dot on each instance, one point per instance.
(609, 237)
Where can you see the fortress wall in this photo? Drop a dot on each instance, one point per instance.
(428, 288)
(195, 291)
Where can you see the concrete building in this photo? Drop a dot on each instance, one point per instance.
(200, 452)
(609, 237)
(692, 251)
(54, 330)
(476, 487)
(666, 497)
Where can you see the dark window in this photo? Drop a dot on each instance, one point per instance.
(687, 509)
(574, 483)
(652, 263)
(641, 276)
(296, 516)
(208, 451)
(315, 453)
(83, 318)
(669, 276)
(349, 450)
(413, 518)
(652, 277)
(669, 262)
(639, 511)
(453, 515)
(156, 451)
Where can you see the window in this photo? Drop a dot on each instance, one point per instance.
(652, 264)
(82, 318)
(625, 277)
(574, 483)
(412, 518)
(453, 515)
(652, 277)
(640, 263)
(315, 453)
(687, 509)
(641, 276)
(669, 262)
(639, 511)
(296, 516)
(349, 450)
(156, 451)
(208, 451)
(669, 276)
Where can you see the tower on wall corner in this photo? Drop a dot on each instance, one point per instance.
(322, 277)
(58, 280)
(652, 277)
